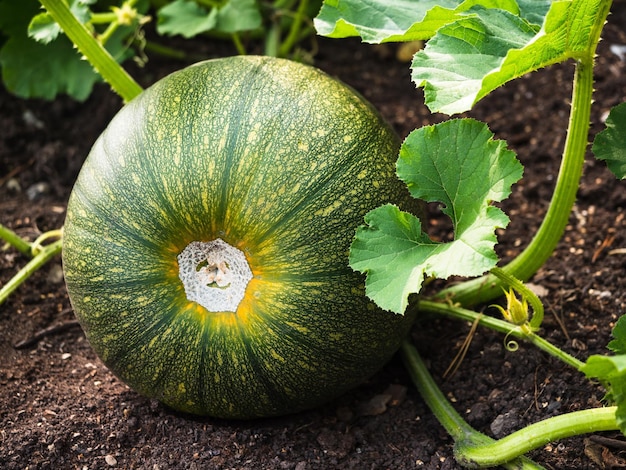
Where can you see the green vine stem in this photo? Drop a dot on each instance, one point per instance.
(44, 255)
(112, 72)
(537, 435)
(553, 225)
(463, 434)
(15, 240)
(294, 31)
(500, 326)
(476, 450)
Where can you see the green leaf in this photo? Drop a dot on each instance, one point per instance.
(14, 16)
(618, 343)
(610, 144)
(31, 69)
(468, 59)
(458, 164)
(238, 15)
(377, 21)
(44, 29)
(34, 70)
(185, 17)
(534, 11)
(611, 370)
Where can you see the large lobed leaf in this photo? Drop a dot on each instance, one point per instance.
(377, 21)
(458, 164)
(188, 18)
(474, 46)
(468, 59)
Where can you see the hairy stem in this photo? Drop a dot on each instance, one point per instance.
(108, 68)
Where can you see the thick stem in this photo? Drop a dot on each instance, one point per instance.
(452, 421)
(536, 435)
(112, 72)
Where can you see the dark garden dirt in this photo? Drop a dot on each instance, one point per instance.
(60, 408)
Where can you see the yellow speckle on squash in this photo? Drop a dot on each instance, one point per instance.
(277, 356)
(326, 211)
(298, 328)
(335, 336)
(303, 146)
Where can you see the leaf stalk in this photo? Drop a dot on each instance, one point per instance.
(112, 72)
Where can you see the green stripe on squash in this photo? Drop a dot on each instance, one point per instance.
(278, 160)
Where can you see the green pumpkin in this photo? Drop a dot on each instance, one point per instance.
(207, 236)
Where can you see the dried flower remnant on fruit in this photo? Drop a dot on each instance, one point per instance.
(214, 274)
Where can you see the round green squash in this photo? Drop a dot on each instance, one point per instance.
(206, 241)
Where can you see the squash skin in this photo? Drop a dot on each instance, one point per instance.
(277, 159)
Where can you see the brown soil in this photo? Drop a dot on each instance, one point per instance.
(60, 408)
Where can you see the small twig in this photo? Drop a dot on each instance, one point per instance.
(609, 442)
(51, 330)
(458, 359)
(606, 243)
(559, 320)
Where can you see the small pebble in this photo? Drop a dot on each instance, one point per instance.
(110, 460)
(30, 119)
(55, 275)
(37, 190)
(377, 405)
(13, 185)
(505, 423)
